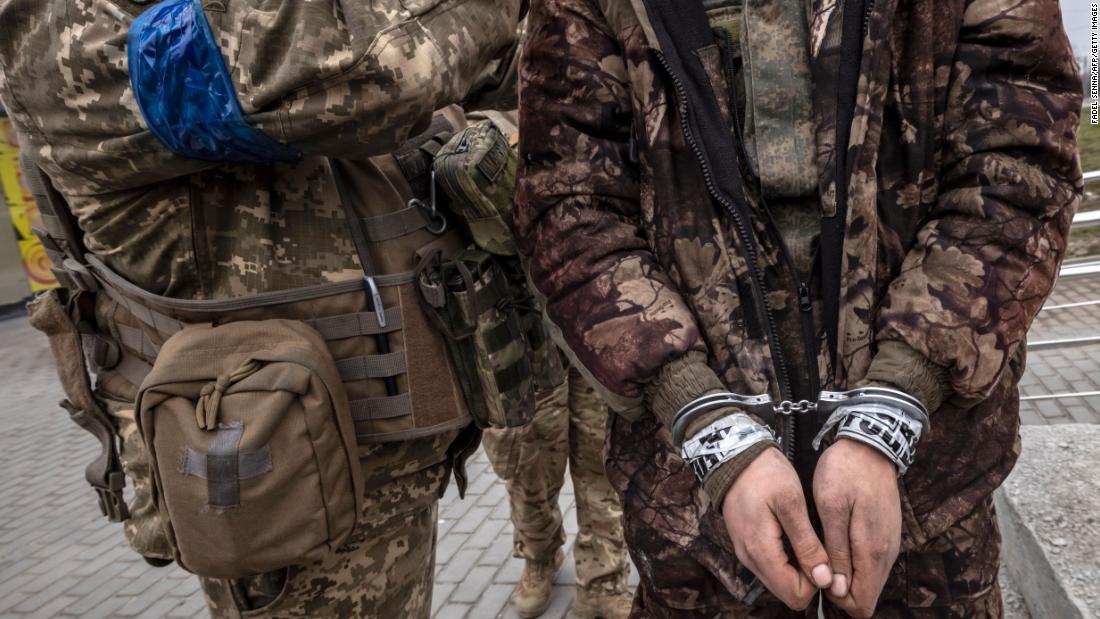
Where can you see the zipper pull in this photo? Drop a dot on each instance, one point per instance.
(805, 303)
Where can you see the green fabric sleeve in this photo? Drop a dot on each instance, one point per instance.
(680, 382)
(897, 365)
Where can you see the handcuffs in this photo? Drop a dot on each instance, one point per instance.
(889, 420)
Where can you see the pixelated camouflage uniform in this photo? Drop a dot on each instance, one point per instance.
(959, 180)
(570, 426)
(332, 78)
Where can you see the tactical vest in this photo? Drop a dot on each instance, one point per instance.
(382, 359)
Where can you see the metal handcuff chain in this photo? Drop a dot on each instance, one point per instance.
(895, 436)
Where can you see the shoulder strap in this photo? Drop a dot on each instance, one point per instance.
(60, 235)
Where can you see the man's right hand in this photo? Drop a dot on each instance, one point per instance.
(763, 505)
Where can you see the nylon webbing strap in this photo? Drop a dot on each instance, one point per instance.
(396, 224)
(354, 325)
(137, 341)
(381, 408)
(161, 323)
(512, 376)
(500, 336)
(56, 216)
(372, 366)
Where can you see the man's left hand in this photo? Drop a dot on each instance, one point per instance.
(856, 493)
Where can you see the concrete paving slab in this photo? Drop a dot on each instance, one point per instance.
(1049, 510)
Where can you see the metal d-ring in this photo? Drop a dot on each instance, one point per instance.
(437, 223)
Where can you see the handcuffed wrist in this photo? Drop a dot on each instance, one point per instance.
(723, 442)
(888, 420)
(718, 485)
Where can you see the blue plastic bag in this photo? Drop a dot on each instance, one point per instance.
(184, 90)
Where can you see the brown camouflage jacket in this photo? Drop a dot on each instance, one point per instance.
(332, 78)
(958, 178)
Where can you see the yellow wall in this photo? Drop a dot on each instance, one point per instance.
(23, 213)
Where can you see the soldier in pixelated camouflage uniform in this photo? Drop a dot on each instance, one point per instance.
(570, 426)
(780, 197)
(331, 78)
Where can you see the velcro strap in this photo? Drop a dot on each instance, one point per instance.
(354, 325)
(381, 408)
(512, 377)
(396, 224)
(499, 337)
(372, 366)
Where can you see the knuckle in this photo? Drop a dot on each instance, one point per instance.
(879, 553)
(806, 547)
(838, 553)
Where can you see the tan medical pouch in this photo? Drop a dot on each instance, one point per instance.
(252, 447)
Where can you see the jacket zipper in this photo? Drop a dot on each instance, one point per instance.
(751, 258)
(805, 301)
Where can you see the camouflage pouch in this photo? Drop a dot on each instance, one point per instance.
(477, 171)
(470, 300)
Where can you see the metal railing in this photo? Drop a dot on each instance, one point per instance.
(1075, 268)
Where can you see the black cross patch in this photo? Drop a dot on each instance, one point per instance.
(224, 466)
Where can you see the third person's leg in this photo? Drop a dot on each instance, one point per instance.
(531, 460)
(600, 550)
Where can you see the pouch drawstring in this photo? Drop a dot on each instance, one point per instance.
(210, 398)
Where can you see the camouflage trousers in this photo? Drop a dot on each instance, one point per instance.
(385, 569)
(143, 529)
(570, 426)
(688, 568)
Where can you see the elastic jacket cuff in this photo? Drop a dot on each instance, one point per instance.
(680, 382)
(899, 366)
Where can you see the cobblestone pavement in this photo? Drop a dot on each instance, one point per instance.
(59, 558)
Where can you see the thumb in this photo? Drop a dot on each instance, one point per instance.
(835, 522)
(808, 551)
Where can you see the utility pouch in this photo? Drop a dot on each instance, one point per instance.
(469, 298)
(477, 170)
(252, 447)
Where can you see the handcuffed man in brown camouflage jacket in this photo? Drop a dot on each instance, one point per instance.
(856, 207)
(330, 78)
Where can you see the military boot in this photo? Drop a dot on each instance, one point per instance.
(532, 596)
(602, 605)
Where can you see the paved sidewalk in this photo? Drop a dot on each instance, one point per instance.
(59, 558)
